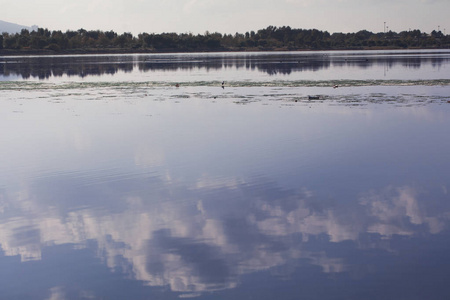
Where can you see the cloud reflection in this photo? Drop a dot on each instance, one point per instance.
(204, 237)
(398, 211)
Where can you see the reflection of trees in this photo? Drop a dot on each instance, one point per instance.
(82, 66)
(44, 68)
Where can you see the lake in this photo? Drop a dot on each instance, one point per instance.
(283, 175)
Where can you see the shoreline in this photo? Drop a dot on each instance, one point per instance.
(113, 51)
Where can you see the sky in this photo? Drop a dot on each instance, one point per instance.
(228, 16)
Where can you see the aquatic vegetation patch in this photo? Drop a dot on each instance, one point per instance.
(181, 96)
(376, 91)
(28, 85)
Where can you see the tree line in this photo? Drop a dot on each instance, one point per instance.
(270, 38)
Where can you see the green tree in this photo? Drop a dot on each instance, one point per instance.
(10, 41)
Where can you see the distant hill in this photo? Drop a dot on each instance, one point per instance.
(14, 28)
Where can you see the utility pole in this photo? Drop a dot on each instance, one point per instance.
(384, 27)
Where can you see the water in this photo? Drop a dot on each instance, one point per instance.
(116, 184)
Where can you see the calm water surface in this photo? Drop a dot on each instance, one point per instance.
(116, 184)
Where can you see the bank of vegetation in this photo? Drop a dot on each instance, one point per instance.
(268, 39)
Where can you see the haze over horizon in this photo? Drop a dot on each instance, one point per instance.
(199, 16)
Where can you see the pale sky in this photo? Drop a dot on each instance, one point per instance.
(228, 16)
